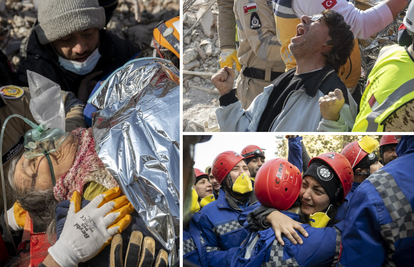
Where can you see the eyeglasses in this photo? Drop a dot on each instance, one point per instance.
(257, 153)
(316, 17)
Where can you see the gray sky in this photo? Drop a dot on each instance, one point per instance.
(206, 152)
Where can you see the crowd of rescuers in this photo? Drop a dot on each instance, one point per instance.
(318, 44)
(70, 46)
(353, 208)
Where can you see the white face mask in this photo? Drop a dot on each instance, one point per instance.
(81, 68)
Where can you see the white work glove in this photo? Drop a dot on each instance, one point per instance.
(227, 57)
(86, 232)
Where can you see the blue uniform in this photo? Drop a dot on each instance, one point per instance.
(343, 209)
(295, 152)
(221, 229)
(194, 246)
(321, 248)
(379, 229)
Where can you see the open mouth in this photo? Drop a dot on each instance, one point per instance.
(300, 32)
(209, 191)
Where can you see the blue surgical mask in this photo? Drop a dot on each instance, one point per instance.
(81, 68)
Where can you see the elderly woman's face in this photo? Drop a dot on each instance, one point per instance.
(35, 173)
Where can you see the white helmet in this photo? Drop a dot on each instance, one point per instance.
(409, 18)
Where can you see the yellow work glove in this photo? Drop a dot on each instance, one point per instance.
(16, 217)
(227, 57)
(87, 231)
(140, 252)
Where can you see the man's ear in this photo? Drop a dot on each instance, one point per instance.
(326, 45)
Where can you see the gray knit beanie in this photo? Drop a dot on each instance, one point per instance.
(59, 18)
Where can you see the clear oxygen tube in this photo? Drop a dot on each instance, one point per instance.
(34, 144)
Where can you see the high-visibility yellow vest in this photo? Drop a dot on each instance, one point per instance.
(390, 85)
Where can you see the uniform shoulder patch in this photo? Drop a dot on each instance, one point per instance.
(11, 92)
(328, 4)
(249, 8)
(255, 22)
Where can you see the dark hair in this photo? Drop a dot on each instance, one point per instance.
(342, 39)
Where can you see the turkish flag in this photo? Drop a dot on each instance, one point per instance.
(328, 4)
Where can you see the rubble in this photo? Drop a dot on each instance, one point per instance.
(200, 99)
(201, 52)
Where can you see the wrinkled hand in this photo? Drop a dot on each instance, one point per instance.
(86, 86)
(283, 224)
(87, 231)
(223, 80)
(331, 104)
(227, 57)
(140, 252)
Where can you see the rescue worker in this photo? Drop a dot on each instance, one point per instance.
(194, 247)
(70, 46)
(213, 181)
(259, 48)
(388, 144)
(364, 162)
(304, 98)
(363, 25)
(254, 158)
(311, 200)
(203, 188)
(378, 228)
(219, 220)
(226, 29)
(387, 103)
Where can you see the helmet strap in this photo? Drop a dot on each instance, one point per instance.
(230, 181)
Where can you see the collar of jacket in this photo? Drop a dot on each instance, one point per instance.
(232, 201)
(312, 86)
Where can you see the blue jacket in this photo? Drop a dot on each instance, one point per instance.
(194, 246)
(343, 209)
(321, 248)
(380, 219)
(295, 152)
(221, 229)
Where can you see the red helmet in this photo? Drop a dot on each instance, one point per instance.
(252, 151)
(354, 153)
(388, 140)
(199, 173)
(223, 164)
(340, 165)
(278, 184)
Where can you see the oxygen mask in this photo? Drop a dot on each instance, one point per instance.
(41, 140)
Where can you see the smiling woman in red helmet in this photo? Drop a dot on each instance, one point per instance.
(219, 223)
(312, 199)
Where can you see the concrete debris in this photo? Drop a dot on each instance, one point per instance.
(190, 55)
(201, 98)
